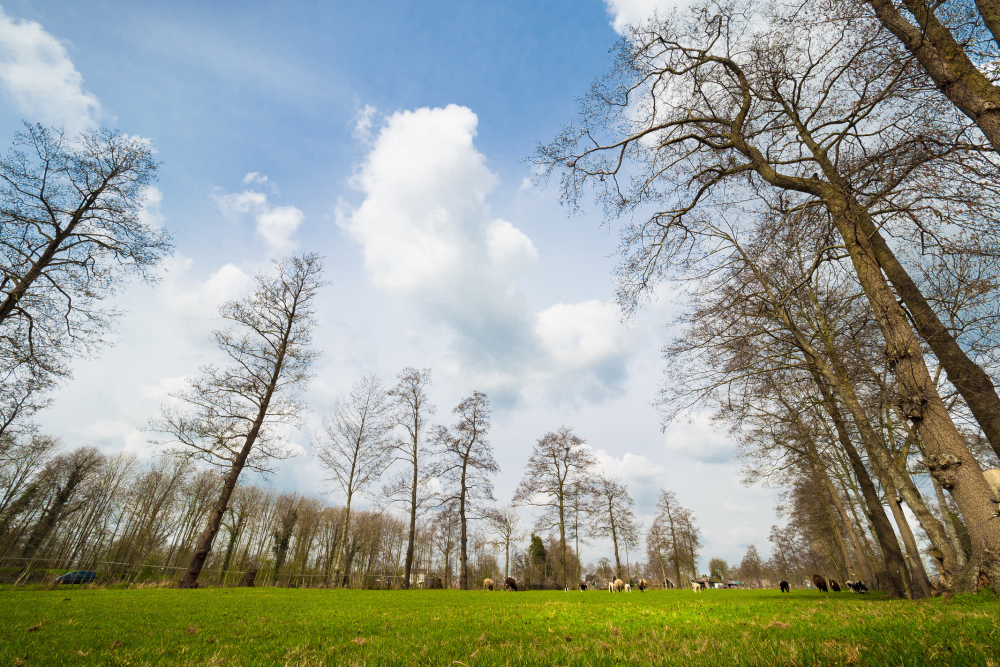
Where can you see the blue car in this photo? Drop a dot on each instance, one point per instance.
(78, 577)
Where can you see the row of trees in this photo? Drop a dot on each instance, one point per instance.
(137, 521)
(823, 176)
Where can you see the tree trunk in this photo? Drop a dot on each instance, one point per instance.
(342, 543)
(894, 563)
(463, 565)
(949, 525)
(948, 456)
(413, 523)
(966, 375)
(562, 535)
(919, 579)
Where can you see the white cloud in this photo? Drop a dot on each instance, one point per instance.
(197, 302)
(509, 247)
(428, 237)
(275, 224)
(632, 12)
(363, 124)
(150, 213)
(581, 334)
(39, 77)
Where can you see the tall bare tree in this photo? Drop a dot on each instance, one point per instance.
(612, 514)
(559, 465)
(729, 101)
(465, 462)
(232, 414)
(71, 234)
(355, 445)
(412, 410)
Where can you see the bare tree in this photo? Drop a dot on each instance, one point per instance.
(63, 476)
(941, 36)
(505, 523)
(233, 413)
(464, 463)
(354, 445)
(71, 234)
(412, 410)
(612, 514)
(728, 102)
(559, 462)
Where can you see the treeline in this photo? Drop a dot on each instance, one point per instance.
(816, 176)
(133, 522)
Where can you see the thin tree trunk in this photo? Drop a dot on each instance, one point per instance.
(342, 542)
(413, 523)
(894, 563)
(919, 577)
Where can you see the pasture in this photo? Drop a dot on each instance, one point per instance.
(300, 627)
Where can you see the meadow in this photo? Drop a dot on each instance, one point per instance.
(300, 627)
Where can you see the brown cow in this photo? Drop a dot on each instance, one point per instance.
(834, 586)
(820, 583)
(509, 584)
(642, 585)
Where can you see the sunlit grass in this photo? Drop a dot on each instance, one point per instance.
(266, 626)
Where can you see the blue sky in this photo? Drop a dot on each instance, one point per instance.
(390, 138)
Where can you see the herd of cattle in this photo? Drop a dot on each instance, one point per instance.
(619, 586)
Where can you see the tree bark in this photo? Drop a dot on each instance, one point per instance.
(945, 60)
(971, 381)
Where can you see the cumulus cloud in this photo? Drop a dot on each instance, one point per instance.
(428, 237)
(37, 74)
(275, 224)
(632, 12)
(197, 302)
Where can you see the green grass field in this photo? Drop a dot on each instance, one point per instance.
(273, 626)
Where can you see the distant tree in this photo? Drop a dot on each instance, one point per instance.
(233, 413)
(21, 460)
(680, 533)
(355, 445)
(718, 567)
(751, 567)
(657, 550)
(558, 468)
(538, 552)
(63, 478)
(412, 410)
(505, 524)
(612, 514)
(464, 463)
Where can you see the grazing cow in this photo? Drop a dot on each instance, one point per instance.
(487, 584)
(642, 585)
(583, 587)
(834, 586)
(628, 588)
(616, 586)
(509, 584)
(820, 583)
(696, 587)
(857, 586)
(784, 586)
